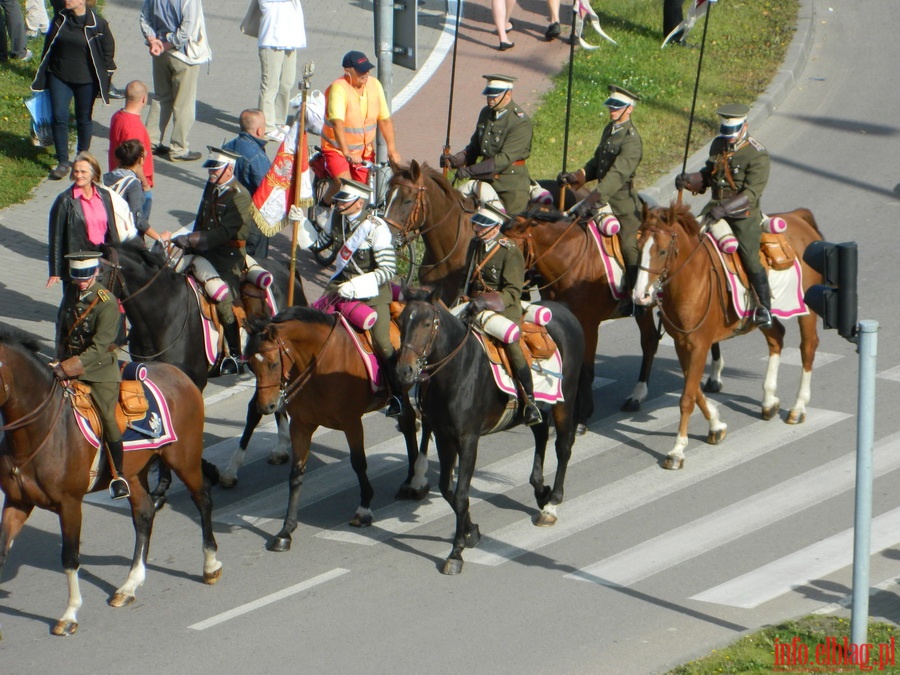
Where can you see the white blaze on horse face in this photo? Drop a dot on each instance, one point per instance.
(392, 197)
(258, 357)
(643, 292)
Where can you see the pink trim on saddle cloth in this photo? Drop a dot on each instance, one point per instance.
(546, 377)
(613, 270)
(372, 366)
(160, 421)
(210, 335)
(786, 285)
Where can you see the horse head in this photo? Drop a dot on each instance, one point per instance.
(264, 354)
(661, 231)
(19, 363)
(419, 323)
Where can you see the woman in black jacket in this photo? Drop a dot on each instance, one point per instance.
(77, 63)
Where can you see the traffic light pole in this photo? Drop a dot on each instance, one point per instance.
(867, 346)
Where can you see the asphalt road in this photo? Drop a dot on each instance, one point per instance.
(645, 569)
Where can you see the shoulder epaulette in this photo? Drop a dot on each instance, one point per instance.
(104, 295)
(504, 242)
(756, 144)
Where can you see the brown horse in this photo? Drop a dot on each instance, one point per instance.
(305, 360)
(45, 461)
(697, 310)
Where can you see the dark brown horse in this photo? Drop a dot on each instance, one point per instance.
(305, 360)
(45, 461)
(697, 311)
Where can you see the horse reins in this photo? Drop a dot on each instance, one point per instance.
(422, 356)
(290, 388)
(532, 258)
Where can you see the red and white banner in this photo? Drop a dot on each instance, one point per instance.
(274, 197)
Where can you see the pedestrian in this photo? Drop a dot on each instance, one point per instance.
(12, 23)
(251, 167)
(175, 33)
(126, 180)
(553, 30)
(502, 11)
(89, 322)
(77, 63)
(614, 166)
(281, 34)
(502, 143)
(36, 20)
(127, 124)
(737, 171)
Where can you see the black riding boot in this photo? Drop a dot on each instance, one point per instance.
(532, 412)
(232, 364)
(118, 487)
(762, 315)
(627, 306)
(395, 402)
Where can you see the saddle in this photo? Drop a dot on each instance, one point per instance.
(131, 407)
(365, 336)
(775, 252)
(535, 342)
(613, 249)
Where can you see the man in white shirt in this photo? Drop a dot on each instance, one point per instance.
(281, 34)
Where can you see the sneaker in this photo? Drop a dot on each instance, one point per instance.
(27, 56)
(553, 31)
(61, 171)
(31, 34)
(116, 93)
(189, 156)
(160, 150)
(277, 136)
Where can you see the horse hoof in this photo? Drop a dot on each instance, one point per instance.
(631, 405)
(795, 417)
(545, 519)
(409, 492)
(581, 430)
(210, 578)
(227, 481)
(121, 600)
(159, 502)
(673, 463)
(452, 566)
(770, 413)
(65, 628)
(716, 437)
(361, 520)
(712, 386)
(278, 460)
(280, 545)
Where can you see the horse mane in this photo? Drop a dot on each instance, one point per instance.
(676, 213)
(434, 175)
(13, 337)
(136, 248)
(257, 326)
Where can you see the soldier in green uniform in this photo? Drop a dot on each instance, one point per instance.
(89, 318)
(502, 142)
(737, 171)
(613, 166)
(221, 228)
(494, 263)
(365, 265)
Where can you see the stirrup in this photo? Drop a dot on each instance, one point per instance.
(394, 407)
(230, 365)
(118, 488)
(532, 413)
(762, 317)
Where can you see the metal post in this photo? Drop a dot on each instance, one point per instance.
(862, 526)
(384, 48)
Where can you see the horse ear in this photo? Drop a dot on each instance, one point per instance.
(395, 168)
(434, 296)
(414, 170)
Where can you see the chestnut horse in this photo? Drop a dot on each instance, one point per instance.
(305, 360)
(460, 403)
(681, 270)
(45, 461)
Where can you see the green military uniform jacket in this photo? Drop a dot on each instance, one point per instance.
(90, 324)
(614, 165)
(225, 216)
(504, 273)
(747, 164)
(504, 135)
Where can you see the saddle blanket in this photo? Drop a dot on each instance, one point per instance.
(210, 334)
(546, 375)
(614, 273)
(373, 368)
(153, 431)
(786, 285)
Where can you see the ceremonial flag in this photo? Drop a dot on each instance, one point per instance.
(583, 9)
(275, 195)
(697, 9)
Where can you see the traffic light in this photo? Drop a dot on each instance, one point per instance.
(835, 298)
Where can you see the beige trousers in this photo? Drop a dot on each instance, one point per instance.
(278, 70)
(175, 99)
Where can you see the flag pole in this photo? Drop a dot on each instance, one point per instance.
(298, 176)
(452, 82)
(565, 157)
(687, 143)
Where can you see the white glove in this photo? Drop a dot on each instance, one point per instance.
(359, 288)
(296, 214)
(347, 290)
(306, 233)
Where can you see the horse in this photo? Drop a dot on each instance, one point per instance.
(682, 272)
(459, 402)
(46, 462)
(172, 332)
(305, 360)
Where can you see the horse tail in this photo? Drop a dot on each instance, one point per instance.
(808, 216)
(210, 471)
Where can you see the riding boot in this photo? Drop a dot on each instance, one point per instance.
(232, 364)
(627, 307)
(118, 487)
(532, 412)
(762, 315)
(395, 402)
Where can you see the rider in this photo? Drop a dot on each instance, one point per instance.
(221, 229)
(613, 166)
(737, 171)
(502, 140)
(494, 263)
(355, 108)
(89, 318)
(365, 266)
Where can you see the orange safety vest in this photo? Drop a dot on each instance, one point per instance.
(359, 129)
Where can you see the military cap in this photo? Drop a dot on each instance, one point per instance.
(219, 158)
(489, 215)
(352, 190)
(83, 264)
(497, 84)
(732, 118)
(619, 97)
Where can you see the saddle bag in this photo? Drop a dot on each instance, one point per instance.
(537, 340)
(132, 399)
(776, 251)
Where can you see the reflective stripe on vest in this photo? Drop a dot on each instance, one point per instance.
(359, 132)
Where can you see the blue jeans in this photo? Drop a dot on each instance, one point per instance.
(148, 203)
(61, 94)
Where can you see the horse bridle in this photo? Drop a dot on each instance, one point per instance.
(531, 259)
(422, 365)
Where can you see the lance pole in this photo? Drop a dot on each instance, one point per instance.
(297, 185)
(565, 157)
(452, 82)
(687, 143)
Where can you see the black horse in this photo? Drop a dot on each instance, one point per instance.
(460, 402)
(166, 326)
